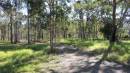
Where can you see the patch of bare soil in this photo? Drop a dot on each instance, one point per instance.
(83, 63)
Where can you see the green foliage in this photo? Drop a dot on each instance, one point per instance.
(35, 47)
(120, 51)
(86, 44)
(78, 5)
(106, 30)
(19, 60)
(16, 59)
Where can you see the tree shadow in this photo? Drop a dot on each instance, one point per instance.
(95, 52)
(100, 67)
(72, 47)
(12, 66)
(90, 69)
(97, 67)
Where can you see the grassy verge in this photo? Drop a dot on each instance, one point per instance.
(23, 58)
(120, 52)
(19, 58)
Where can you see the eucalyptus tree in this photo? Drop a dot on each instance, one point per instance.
(17, 18)
(79, 9)
(28, 19)
(3, 26)
(36, 12)
(62, 16)
(90, 10)
(8, 10)
(110, 19)
(51, 23)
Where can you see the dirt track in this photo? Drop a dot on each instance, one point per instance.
(84, 63)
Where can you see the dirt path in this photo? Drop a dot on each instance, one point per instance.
(83, 63)
(72, 63)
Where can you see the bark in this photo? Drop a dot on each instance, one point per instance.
(16, 32)
(81, 27)
(11, 28)
(8, 35)
(51, 25)
(28, 22)
(112, 39)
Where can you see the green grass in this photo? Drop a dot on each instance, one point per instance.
(89, 45)
(16, 59)
(22, 58)
(36, 47)
(120, 52)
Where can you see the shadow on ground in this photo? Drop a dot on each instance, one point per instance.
(101, 67)
(89, 63)
(93, 64)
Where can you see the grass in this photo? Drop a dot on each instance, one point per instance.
(90, 45)
(22, 58)
(16, 59)
(120, 52)
(36, 47)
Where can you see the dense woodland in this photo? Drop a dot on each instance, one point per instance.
(31, 30)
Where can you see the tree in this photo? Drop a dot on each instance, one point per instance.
(79, 10)
(111, 31)
(28, 21)
(51, 24)
(8, 8)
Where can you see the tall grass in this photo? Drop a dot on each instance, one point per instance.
(23, 58)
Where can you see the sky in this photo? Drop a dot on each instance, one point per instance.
(24, 9)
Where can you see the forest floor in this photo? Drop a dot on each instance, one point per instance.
(72, 56)
(82, 62)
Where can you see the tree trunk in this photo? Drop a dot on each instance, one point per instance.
(8, 35)
(51, 35)
(16, 33)
(51, 25)
(28, 22)
(112, 39)
(11, 28)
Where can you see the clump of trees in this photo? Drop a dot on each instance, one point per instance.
(43, 20)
